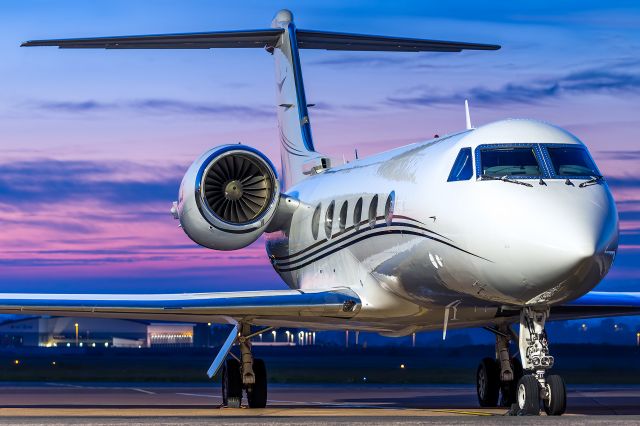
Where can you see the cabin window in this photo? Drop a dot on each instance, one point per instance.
(357, 214)
(571, 161)
(343, 216)
(328, 220)
(388, 208)
(315, 222)
(463, 166)
(373, 211)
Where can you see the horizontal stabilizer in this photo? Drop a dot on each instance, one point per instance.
(208, 40)
(307, 39)
(358, 42)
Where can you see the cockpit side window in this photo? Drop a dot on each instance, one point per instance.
(509, 161)
(462, 167)
(571, 161)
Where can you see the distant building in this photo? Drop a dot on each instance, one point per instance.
(93, 332)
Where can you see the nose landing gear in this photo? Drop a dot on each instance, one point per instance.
(504, 376)
(534, 352)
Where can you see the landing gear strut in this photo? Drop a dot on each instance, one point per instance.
(497, 378)
(534, 352)
(246, 373)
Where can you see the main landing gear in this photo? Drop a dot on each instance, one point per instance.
(497, 378)
(502, 379)
(244, 374)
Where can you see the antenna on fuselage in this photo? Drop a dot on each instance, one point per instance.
(467, 114)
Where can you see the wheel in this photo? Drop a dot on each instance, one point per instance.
(529, 396)
(231, 384)
(257, 393)
(556, 405)
(509, 390)
(488, 383)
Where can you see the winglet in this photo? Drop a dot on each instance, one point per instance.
(467, 115)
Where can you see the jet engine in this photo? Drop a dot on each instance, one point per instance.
(228, 197)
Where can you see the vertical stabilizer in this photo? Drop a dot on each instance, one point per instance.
(296, 144)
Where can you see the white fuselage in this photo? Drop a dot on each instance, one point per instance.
(479, 244)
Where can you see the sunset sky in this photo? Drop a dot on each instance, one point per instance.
(93, 143)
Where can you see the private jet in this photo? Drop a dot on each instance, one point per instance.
(504, 227)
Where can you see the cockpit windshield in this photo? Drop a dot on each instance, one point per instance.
(510, 161)
(571, 161)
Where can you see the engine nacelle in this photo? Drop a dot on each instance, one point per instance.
(228, 197)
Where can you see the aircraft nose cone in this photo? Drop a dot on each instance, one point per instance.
(575, 251)
(561, 248)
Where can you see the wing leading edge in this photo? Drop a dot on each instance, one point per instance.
(200, 307)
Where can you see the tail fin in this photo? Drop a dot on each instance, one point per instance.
(283, 40)
(296, 143)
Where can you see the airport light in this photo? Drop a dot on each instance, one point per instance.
(402, 366)
(53, 363)
(638, 338)
(288, 333)
(274, 335)
(76, 325)
(16, 362)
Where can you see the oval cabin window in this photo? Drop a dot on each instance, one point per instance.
(343, 216)
(357, 214)
(373, 211)
(388, 208)
(328, 220)
(315, 222)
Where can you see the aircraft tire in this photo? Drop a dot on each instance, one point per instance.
(488, 383)
(528, 396)
(556, 404)
(257, 393)
(231, 384)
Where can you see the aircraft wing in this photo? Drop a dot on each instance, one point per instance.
(597, 304)
(278, 305)
(307, 39)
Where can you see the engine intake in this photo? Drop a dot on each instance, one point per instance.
(238, 187)
(228, 197)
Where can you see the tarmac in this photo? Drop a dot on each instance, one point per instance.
(158, 404)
